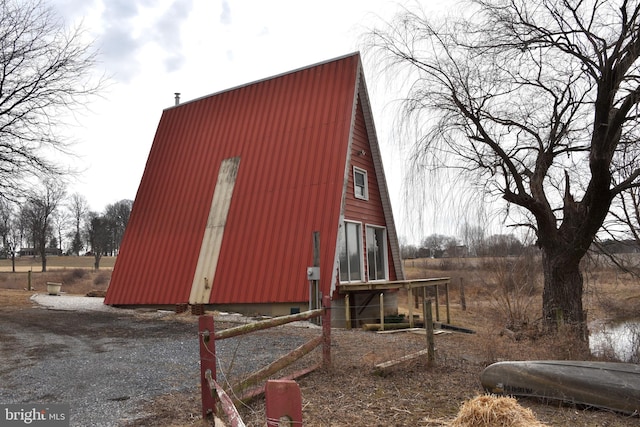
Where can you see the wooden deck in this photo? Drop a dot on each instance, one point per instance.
(409, 285)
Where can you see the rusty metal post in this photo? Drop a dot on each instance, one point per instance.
(207, 363)
(326, 332)
(283, 402)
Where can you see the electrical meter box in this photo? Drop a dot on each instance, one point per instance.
(313, 273)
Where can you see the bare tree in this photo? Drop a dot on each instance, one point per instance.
(6, 214)
(435, 243)
(99, 236)
(537, 102)
(502, 245)
(45, 74)
(408, 251)
(60, 221)
(8, 231)
(79, 208)
(117, 216)
(38, 212)
(473, 238)
(453, 249)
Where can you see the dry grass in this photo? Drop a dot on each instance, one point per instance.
(75, 273)
(14, 298)
(506, 292)
(349, 393)
(492, 411)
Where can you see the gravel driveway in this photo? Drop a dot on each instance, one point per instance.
(107, 362)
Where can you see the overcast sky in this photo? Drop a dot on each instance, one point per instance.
(153, 48)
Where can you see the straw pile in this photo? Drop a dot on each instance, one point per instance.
(493, 411)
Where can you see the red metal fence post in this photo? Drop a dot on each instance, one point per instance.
(284, 403)
(326, 332)
(207, 363)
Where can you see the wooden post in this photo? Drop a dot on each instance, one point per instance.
(424, 297)
(437, 303)
(29, 280)
(409, 303)
(428, 324)
(463, 299)
(381, 311)
(446, 298)
(326, 332)
(207, 363)
(227, 404)
(347, 312)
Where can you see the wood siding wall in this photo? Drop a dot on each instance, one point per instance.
(368, 212)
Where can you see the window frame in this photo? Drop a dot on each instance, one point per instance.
(365, 187)
(342, 240)
(383, 251)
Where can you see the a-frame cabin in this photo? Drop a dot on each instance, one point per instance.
(237, 183)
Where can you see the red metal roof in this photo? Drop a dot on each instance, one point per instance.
(292, 134)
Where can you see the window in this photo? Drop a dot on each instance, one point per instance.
(360, 185)
(377, 253)
(350, 247)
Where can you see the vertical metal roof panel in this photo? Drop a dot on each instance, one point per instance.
(291, 133)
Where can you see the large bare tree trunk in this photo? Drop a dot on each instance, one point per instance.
(43, 257)
(562, 295)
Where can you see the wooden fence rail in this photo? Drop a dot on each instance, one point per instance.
(208, 336)
(227, 404)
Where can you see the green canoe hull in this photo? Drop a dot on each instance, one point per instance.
(607, 385)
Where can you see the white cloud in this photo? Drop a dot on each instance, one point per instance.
(225, 15)
(157, 47)
(167, 32)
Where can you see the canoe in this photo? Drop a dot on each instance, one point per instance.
(607, 385)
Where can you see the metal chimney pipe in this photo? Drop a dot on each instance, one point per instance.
(177, 98)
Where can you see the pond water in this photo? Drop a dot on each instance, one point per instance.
(620, 340)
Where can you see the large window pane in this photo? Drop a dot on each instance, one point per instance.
(376, 253)
(353, 249)
(342, 256)
(350, 257)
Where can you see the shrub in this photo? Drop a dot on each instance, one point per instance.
(514, 289)
(74, 275)
(101, 278)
